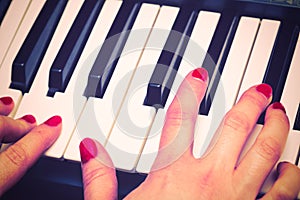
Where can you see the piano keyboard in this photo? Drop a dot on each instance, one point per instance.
(111, 69)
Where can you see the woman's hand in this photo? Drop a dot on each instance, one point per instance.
(217, 175)
(30, 141)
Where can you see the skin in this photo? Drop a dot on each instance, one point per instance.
(217, 175)
(31, 141)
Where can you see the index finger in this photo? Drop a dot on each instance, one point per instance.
(11, 130)
(178, 131)
(19, 157)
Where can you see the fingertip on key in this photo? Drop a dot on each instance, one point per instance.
(88, 149)
(278, 105)
(53, 121)
(6, 100)
(200, 73)
(265, 89)
(29, 118)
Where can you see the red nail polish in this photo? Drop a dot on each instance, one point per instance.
(53, 121)
(200, 73)
(6, 100)
(278, 105)
(29, 118)
(88, 150)
(265, 89)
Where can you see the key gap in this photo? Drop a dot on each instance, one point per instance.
(74, 128)
(218, 69)
(105, 63)
(297, 120)
(298, 157)
(13, 38)
(281, 56)
(128, 86)
(251, 51)
(4, 5)
(170, 58)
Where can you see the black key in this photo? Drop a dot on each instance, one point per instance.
(297, 120)
(4, 4)
(70, 51)
(280, 61)
(110, 52)
(216, 56)
(168, 63)
(30, 56)
(298, 157)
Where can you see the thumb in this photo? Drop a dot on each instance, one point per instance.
(99, 175)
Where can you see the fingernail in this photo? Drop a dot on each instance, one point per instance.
(53, 121)
(278, 105)
(6, 100)
(265, 89)
(88, 150)
(29, 118)
(200, 73)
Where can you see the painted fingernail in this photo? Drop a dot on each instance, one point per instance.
(200, 73)
(53, 121)
(278, 105)
(29, 118)
(88, 150)
(265, 89)
(6, 100)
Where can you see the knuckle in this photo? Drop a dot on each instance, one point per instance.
(278, 119)
(237, 121)
(2, 124)
(17, 154)
(254, 99)
(269, 149)
(282, 193)
(97, 174)
(177, 114)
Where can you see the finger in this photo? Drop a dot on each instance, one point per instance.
(287, 186)
(99, 175)
(20, 156)
(11, 130)
(6, 105)
(178, 131)
(266, 150)
(238, 123)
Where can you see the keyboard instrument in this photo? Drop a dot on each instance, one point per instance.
(111, 68)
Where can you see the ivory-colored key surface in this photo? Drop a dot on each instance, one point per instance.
(10, 25)
(228, 86)
(260, 56)
(6, 69)
(70, 103)
(99, 115)
(193, 57)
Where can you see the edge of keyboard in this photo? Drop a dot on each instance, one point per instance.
(61, 179)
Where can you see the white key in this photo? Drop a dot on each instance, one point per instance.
(5, 70)
(101, 122)
(70, 103)
(39, 86)
(133, 124)
(291, 96)
(10, 25)
(290, 99)
(260, 55)
(228, 86)
(193, 57)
